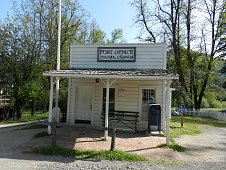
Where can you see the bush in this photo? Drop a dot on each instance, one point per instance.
(205, 103)
(224, 104)
(215, 104)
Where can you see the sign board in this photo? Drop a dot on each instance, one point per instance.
(181, 108)
(116, 54)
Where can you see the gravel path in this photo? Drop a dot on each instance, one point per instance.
(207, 154)
(209, 146)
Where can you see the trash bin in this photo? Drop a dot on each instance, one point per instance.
(154, 116)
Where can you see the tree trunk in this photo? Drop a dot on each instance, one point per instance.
(18, 108)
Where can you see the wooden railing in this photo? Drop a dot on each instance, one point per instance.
(124, 117)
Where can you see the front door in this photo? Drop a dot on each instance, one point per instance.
(148, 97)
(83, 104)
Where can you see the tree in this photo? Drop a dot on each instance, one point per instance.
(17, 59)
(116, 36)
(29, 42)
(174, 20)
(96, 35)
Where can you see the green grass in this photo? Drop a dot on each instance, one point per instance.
(190, 127)
(93, 154)
(35, 127)
(173, 146)
(26, 116)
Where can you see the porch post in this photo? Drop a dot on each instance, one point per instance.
(50, 105)
(56, 117)
(167, 111)
(107, 108)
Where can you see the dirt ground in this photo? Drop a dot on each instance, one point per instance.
(209, 146)
(71, 137)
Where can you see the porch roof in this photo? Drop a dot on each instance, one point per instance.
(113, 73)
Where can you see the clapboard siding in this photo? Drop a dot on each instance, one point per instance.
(129, 101)
(148, 56)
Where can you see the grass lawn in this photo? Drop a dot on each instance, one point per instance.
(93, 154)
(190, 127)
(26, 116)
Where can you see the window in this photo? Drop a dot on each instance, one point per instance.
(111, 101)
(148, 96)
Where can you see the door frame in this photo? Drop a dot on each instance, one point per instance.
(93, 100)
(140, 98)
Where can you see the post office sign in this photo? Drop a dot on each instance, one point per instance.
(116, 54)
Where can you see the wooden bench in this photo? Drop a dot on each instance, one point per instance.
(124, 117)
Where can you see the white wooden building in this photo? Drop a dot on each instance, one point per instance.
(116, 77)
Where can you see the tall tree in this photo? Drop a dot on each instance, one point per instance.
(29, 42)
(174, 19)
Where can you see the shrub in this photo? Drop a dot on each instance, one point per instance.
(205, 103)
(224, 104)
(215, 104)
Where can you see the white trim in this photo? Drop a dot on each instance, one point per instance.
(68, 75)
(120, 45)
(73, 104)
(68, 100)
(93, 104)
(167, 113)
(164, 105)
(165, 57)
(106, 109)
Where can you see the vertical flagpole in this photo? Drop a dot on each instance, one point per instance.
(58, 64)
(59, 33)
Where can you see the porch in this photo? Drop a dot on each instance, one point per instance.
(108, 78)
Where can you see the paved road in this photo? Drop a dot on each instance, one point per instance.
(11, 140)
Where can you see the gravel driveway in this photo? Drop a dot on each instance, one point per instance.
(207, 151)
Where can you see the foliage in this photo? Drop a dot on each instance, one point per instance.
(215, 104)
(224, 104)
(116, 36)
(26, 116)
(193, 46)
(205, 103)
(28, 47)
(94, 154)
(212, 100)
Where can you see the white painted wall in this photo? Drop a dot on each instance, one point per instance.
(148, 56)
(129, 101)
(128, 92)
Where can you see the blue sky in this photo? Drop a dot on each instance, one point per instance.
(109, 14)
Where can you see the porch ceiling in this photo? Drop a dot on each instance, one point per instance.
(113, 73)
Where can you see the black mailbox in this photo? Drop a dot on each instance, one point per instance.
(154, 116)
